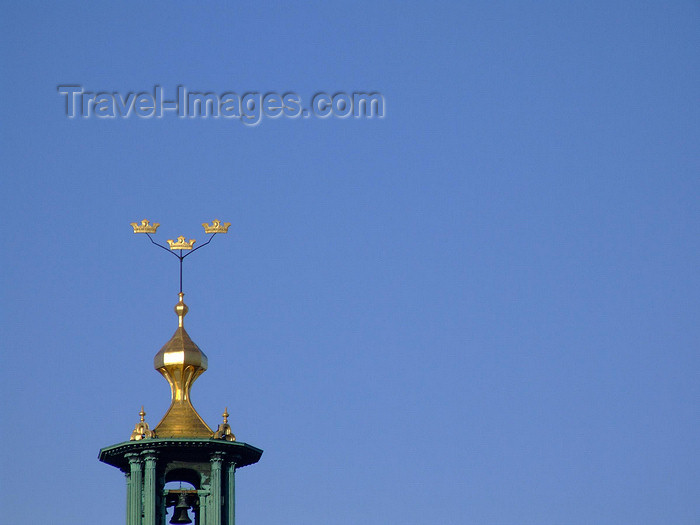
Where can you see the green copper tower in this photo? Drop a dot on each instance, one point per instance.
(182, 447)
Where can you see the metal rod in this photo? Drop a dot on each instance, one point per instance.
(160, 245)
(198, 247)
(180, 257)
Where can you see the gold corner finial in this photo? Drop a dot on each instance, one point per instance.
(144, 227)
(141, 430)
(181, 243)
(224, 430)
(216, 226)
(181, 310)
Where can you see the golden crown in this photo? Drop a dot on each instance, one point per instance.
(145, 227)
(216, 227)
(181, 243)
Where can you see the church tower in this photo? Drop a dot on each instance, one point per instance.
(182, 447)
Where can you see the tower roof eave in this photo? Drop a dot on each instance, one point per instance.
(189, 449)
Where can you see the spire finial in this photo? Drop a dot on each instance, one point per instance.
(181, 310)
(141, 430)
(224, 430)
(181, 244)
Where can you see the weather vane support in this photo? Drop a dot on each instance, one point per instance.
(181, 245)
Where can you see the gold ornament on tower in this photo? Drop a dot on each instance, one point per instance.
(216, 227)
(141, 430)
(145, 227)
(181, 362)
(181, 243)
(224, 430)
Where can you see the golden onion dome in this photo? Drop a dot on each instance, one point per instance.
(181, 362)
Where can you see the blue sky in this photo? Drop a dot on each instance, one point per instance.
(479, 309)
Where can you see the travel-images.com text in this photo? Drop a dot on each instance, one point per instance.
(249, 108)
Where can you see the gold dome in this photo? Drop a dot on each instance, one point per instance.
(181, 362)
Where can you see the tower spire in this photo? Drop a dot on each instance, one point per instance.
(181, 361)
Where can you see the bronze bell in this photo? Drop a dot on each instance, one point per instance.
(180, 514)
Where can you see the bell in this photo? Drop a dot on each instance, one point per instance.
(180, 514)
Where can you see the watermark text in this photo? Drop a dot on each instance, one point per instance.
(250, 107)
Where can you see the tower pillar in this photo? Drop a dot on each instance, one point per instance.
(231, 494)
(203, 516)
(133, 512)
(150, 495)
(217, 460)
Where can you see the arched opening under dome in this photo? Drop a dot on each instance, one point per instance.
(181, 502)
(185, 475)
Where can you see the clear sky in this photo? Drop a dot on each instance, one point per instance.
(479, 309)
